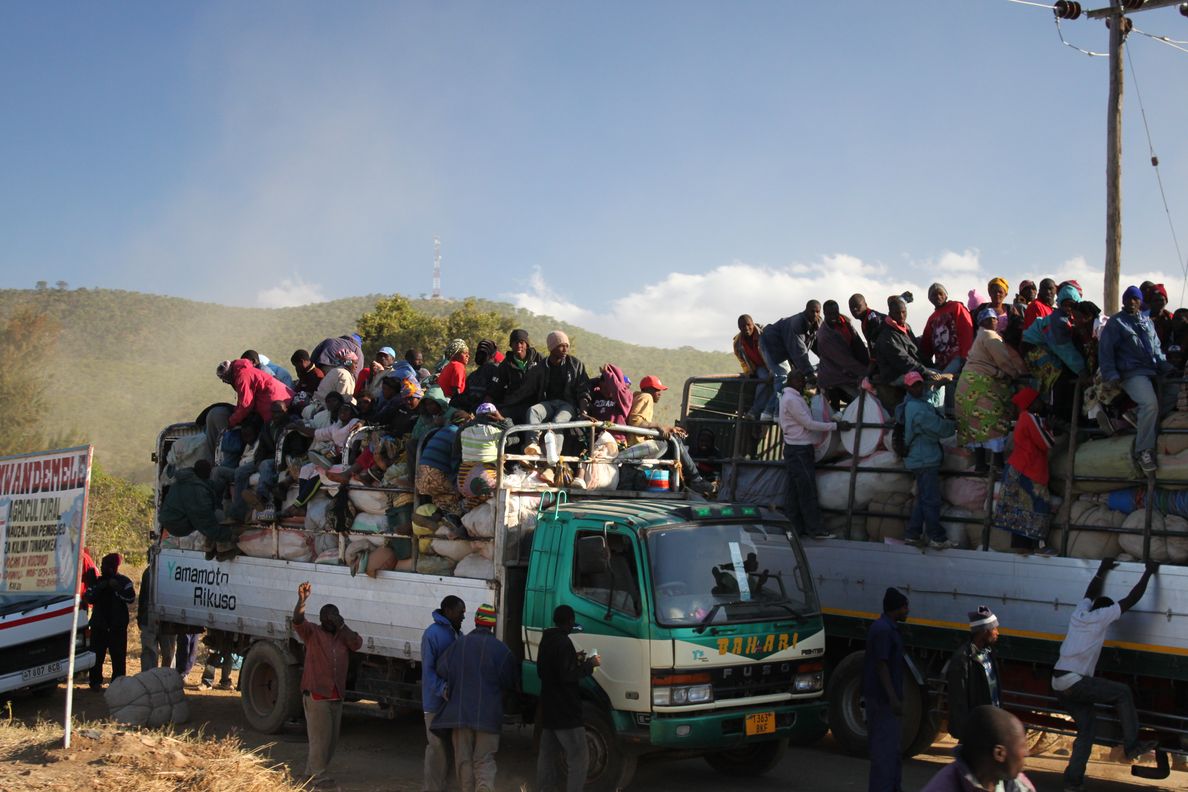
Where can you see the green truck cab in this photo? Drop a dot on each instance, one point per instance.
(706, 621)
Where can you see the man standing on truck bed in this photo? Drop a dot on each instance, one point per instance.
(478, 668)
(1078, 691)
(561, 670)
(972, 678)
(437, 638)
(328, 648)
(882, 687)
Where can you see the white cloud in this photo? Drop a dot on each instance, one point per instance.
(541, 299)
(290, 292)
(963, 263)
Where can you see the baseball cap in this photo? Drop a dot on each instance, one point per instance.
(653, 383)
(912, 377)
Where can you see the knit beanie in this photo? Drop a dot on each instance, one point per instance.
(893, 600)
(555, 339)
(485, 616)
(518, 335)
(982, 619)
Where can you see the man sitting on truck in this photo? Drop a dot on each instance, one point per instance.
(437, 638)
(191, 504)
(642, 415)
(478, 669)
(1078, 691)
(785, 345)
(558, 389)
(328, 647)
(972, 677)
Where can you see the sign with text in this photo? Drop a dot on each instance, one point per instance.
(43, 505)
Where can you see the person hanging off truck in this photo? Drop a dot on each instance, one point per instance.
(1078, 690)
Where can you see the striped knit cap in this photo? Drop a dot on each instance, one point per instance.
(485, 616)
(982, 619)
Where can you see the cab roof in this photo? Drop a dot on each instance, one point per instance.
(644, 514)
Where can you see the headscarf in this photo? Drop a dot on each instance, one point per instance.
(1025, 284)
(1069, 290)
(455, 347)
(1000, 283)
(987, 313)
(411, 389)
(486, 408)
(1160, 289)
(976, 298)
(1132, 292)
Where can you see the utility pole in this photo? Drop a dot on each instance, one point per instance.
(1119, 24)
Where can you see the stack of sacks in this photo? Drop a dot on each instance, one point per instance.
(292, 545)
(1173, 443)
(899, 505)
(833, 486)
(152, 698)
(599, 472)
(1087, 543)
(191, 541)
(325, 547)
(425, 521)
(291, 495)
(369, 501)
(365, 522)
(1170, 549)
(1110, 456)
(316, 512)
(873, 438)
(480, 521)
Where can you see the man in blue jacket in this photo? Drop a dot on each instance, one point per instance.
(924, 428)
(785, 346)
(478, 669)
(1128, 353)
(437, 638)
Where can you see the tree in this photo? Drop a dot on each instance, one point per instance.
(42, 285)
(472, 325)
(62, 285)
(119, 516)
(27, 339)
(395, 323)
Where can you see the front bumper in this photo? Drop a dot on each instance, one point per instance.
(721, 730)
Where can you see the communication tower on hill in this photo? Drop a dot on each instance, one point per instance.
(436, 268)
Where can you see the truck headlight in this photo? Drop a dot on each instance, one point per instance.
(675, 690)
(810, 677)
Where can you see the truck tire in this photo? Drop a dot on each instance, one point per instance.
(929, 727)
(270, 688)
(751, 761)
(847, 710)
(611, 765)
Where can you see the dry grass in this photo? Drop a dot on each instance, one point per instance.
(107, 756)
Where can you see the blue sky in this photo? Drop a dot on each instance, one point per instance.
(648, 170)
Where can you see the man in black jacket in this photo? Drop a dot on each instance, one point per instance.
(519, 361)
(973, 671)
(110, 596)
(558, 389)
(561, 669)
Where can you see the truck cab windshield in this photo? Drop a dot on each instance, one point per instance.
(720, 574)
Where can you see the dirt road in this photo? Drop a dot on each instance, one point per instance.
(376, 753)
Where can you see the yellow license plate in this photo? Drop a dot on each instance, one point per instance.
(761, 723)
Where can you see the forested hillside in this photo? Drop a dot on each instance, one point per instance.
(124, 364)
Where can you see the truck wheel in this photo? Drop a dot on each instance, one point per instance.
(750, 761)
(847, 712)
(928, 723)
(270, 688)
(611, 766)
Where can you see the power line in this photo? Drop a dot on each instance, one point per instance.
(1090, 53)
(1158, 178)
(1171, 42)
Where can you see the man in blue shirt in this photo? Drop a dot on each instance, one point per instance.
(882, 687)
(439, 636)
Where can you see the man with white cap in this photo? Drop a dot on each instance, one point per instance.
(558, 389)
(973, 671)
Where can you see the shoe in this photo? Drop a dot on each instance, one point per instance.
(1146, 461)
(944, 544)
(264, 515)
(1139, 748)
(206, 685)
(914, 541)
(225, 685)
(702, 487)
(210, 553)
(766, 417)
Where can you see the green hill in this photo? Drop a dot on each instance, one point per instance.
(126, 363)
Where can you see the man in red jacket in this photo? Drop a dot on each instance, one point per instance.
(255, 390)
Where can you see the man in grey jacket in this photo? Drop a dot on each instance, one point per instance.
(785, 346)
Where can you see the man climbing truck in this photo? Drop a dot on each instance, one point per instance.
(866, 499)
(704, 616)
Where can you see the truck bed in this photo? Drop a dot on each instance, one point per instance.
(255, 596)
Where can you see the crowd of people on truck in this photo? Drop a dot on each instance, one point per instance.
(992, 375)
(434, 430)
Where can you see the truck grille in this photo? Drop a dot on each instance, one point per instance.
(34, 653)
(758, 679)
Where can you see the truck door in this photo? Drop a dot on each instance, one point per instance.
(605, 587)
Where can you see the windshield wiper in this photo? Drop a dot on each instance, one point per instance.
(700, 628)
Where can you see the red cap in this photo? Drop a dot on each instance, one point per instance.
(652, 383)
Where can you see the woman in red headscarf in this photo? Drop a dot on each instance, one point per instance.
(1161, 318)
(1024, 507)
